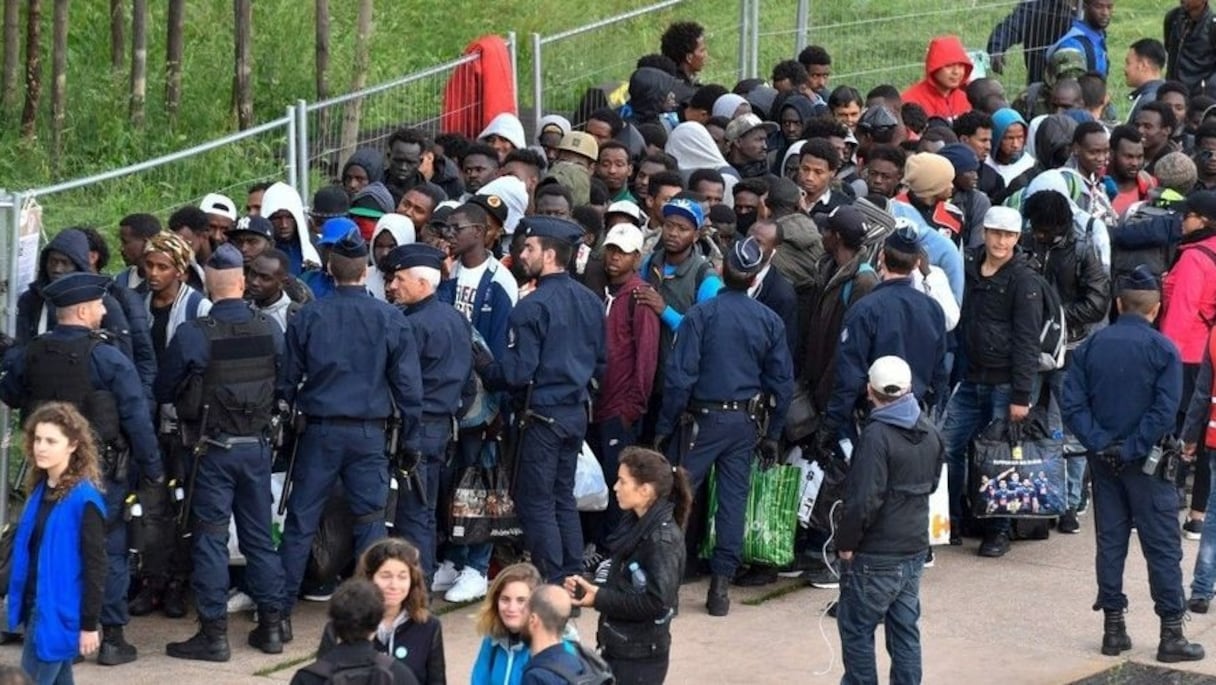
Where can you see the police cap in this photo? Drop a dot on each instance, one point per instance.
(226, 257)
(411, 255)
(75, 288)
(552, 227)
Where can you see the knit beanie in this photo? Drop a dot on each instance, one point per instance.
(1177, 172)
(928, 175)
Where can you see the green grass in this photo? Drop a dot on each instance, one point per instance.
(872, 42)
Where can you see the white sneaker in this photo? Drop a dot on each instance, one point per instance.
(239, 601)
(445, 577)
(470, 586)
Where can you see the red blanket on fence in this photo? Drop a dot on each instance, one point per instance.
(479, 90)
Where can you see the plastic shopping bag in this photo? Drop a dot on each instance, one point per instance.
(590, 488)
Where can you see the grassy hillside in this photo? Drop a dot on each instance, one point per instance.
(873, 41)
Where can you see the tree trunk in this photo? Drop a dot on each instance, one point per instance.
(354, 109)
(139, 60)
(322, 60)
(12, 50)
(173, 58)
(59, 78)
(242, 86)
(118, 43)
(33, 68)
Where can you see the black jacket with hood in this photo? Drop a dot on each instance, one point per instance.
(635, 623)
(1078, 277)
(1001, 318)
(131, 334)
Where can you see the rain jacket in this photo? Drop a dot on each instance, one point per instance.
(300, 251)
(943, 51)
(402, 229)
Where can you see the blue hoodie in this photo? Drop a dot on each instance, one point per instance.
(1002, 119)
(902, 413)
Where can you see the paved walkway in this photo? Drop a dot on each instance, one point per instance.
(1021, 619)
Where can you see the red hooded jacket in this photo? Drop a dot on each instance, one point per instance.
(943, 51)
(479, 90)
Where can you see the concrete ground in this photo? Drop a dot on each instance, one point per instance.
(1021, 619)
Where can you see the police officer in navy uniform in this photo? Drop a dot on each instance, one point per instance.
(107, 390)
(728, 351)
(221, 371)
(356, 359)
(1121, 393)
(555, 348)
(445, 354)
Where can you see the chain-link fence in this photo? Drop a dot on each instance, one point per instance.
(603, 54)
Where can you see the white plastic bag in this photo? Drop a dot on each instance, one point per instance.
(276, 521)
(812, 479)
(590, 488)
(939, 511)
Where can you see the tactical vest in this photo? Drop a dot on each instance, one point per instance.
(237, 389)
(59, 370)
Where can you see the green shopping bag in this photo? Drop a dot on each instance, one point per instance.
(771, 517)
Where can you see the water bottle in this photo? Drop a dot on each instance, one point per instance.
(390, 504)
(637, 576)
(177, 491)
(134, 515)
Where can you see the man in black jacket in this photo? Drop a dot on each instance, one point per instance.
(1189, 47)
(1076, 272)
(884, 527)
(999, 330)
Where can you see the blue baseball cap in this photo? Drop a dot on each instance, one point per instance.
(682, 206)
(335, 229)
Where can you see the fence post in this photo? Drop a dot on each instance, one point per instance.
(293, 161)
(755, 43)
(514, 46)
(800, 21)
(538, 85)
(10, 222)
(302, 154)
(744, 18)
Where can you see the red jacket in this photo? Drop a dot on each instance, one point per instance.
(632, 336)
(479, 90)
(943, 51)
(1189, 299)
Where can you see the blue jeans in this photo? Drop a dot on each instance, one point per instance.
(874, 590)
(544, 491)
(43, 672)
(972, 407)
(1205, 562)
(415, 517)
(1074, 466)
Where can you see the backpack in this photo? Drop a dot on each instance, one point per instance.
(379, 672)
(1054, 334)
(595, 670)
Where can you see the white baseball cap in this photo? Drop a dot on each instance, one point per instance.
(627, 238)
(890, 376)
(626, 208)
(214, 203)
(1001, 218)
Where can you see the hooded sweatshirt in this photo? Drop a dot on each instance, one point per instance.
(558, 120)
(506, 125)
(1002, 119)
(726, 105)
(1091, 232)
(943, 51)
(649, 91)
(1053, 140)
(693, 148)
(372, 162)
(514, 193)
(402, 229)
(794, 150)
(300, 251)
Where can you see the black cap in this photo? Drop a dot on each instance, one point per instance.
(745, 256)
(411, 255)
(848, 224)
(877, 118)
(329, 202)
(352, 245)
(551, 227)
(1140, 278)
(226, 256)
(905, 239)
(1201, 202)
(257, 225)
(493, 205)
(75, 288)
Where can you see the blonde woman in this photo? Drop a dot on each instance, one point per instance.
(504, 613)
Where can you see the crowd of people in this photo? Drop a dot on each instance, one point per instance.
(688, 281)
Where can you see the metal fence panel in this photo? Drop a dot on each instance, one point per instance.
(333, 129)
(566, 64)
(227, 165)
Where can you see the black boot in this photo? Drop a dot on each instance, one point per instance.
(1174, 646)
(173, 602)
(148, 598)
(1115, 639)
(285, 628)
(718, 600)
(210, 643)
(268, 636)
(115, 650)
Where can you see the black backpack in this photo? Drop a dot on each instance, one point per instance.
(379, 672)
(1053, 336)
(595, 670)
